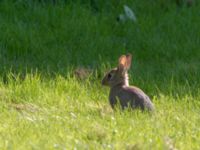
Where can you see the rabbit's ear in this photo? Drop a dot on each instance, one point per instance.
(128, 61)
(122, 63)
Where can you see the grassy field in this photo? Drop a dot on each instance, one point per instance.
(45, 106)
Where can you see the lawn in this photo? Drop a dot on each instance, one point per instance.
(45, 105)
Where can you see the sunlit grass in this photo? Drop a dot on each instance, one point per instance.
(65, 113)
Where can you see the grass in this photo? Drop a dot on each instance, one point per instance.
(44, 106)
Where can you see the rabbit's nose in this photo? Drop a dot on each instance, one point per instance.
(103, 82)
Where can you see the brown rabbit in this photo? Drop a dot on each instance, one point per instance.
(117, 80)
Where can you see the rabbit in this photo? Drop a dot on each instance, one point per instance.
(117, 80)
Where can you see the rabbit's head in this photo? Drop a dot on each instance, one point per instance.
(118, 75)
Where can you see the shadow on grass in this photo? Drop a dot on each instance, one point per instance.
(55, 40)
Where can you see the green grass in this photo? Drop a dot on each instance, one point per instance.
(44, 106)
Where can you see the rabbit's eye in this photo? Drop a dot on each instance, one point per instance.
(109, 76)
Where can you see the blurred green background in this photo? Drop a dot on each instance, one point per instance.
(52, 37)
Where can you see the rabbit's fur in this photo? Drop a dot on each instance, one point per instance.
(117, 80)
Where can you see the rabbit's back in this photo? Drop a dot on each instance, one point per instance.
(130, 96)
